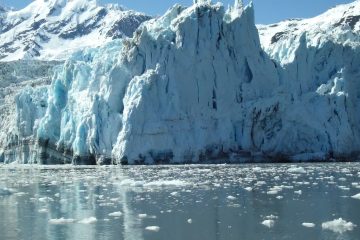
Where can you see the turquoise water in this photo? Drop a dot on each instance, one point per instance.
(180, 202)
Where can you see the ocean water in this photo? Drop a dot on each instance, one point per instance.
(271, 201)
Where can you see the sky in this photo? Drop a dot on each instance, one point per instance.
(266, 11)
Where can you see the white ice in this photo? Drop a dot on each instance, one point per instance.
(338, 226)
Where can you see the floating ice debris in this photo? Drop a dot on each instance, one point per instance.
(109, 204)
(231, 197)
(144, 215)
(131, 183)
(357, 196)
(160, 183)
(175, 194)
(279, 197)
(60, 221)
(89, 220)
(153, 228)
(260, 183)
(308, 225)
(271, 217)
(115, 214)
(189, 221)
(294, 169)
(298, 192)
(249, 189)
(46, 199)
(43, 210)
(268, 223)
(338, 226)
(164, 183)
(272, 192)
(20, 194)
(6, 191)
(344, 188)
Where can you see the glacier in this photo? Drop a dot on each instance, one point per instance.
(199, 84)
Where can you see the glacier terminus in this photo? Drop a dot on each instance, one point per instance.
(198, 84)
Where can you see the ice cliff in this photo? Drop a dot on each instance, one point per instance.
(195, 85)
(319, 65)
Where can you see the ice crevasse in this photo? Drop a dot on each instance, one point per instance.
(194, 85)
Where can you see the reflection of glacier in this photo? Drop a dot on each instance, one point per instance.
(195, 85)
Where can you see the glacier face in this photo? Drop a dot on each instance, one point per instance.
(195, 85)
(319, 58)
(155, 102)
(37, 31)
(21, 81)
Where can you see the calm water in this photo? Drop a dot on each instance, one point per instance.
(180, 202)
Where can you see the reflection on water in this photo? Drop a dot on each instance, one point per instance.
(179, 202)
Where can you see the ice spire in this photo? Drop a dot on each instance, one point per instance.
(238, 4)
(236, 10)
(201, 1)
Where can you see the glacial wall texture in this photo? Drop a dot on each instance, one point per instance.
(195, 85)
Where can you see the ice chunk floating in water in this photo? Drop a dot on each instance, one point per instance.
(357, 196)
(61, 221)
(153, 228)
(89, 220)
(115, 214)
(268, 223)
(338, 225)
(6, 191)
(308, 225)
